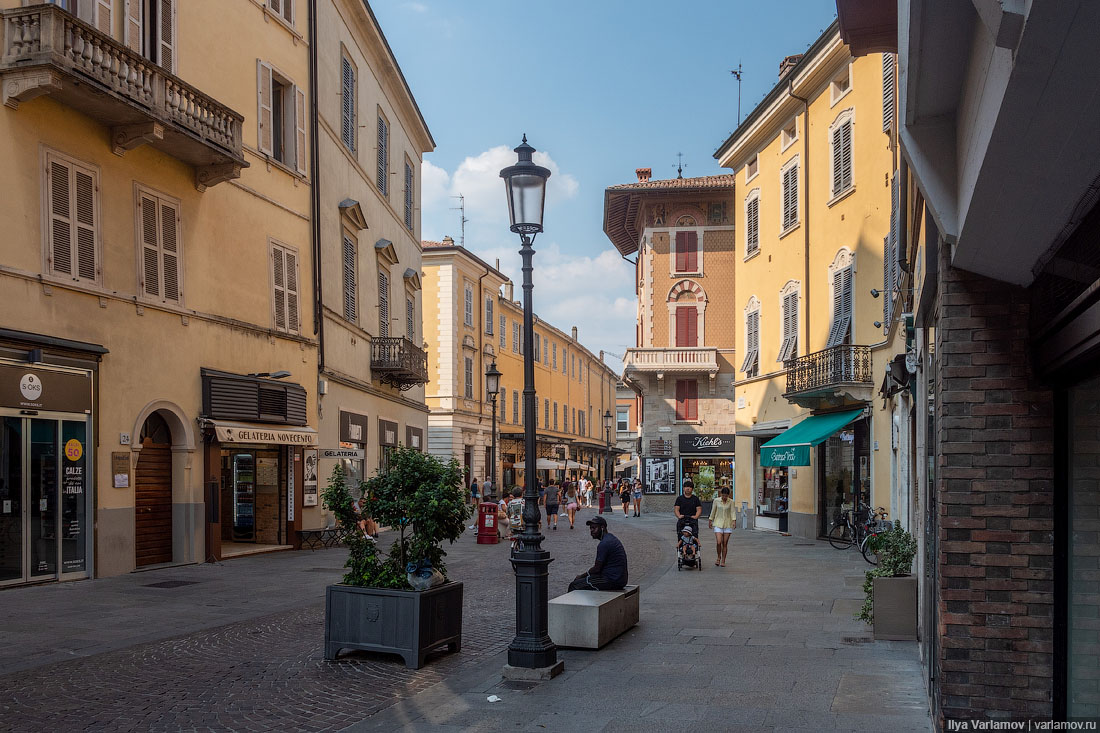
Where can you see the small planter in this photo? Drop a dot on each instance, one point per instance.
(409, 623)
(895, 608)
(706, 508)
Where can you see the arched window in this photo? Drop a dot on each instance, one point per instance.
(840, 279)
(686, 305)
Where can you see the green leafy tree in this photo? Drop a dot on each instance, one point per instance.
(419, 497)
(896, 550)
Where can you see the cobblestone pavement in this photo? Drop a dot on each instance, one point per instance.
(267, 673)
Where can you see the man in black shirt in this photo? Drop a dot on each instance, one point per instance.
(687, 509)
(609, 571)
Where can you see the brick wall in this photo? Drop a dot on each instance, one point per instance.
(994, 484)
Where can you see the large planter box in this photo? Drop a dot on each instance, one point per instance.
(895, 608)
(409, 623)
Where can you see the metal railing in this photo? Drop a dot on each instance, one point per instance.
(396, 359)
(47, 35)
(689, 358)
(843, 364)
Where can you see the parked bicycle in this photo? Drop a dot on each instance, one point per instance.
(859, 528)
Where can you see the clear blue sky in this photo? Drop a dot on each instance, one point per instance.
(602, 87)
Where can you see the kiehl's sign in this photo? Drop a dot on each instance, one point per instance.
(706, 443)
(31, 388)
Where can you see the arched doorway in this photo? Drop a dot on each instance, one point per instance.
(153, 494)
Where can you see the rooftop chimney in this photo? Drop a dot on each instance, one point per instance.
(788, 63)
(498, 263)
(644, 174)
(448, 241)
(508, 291)
(574, 333)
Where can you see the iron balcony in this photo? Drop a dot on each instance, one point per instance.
(398, 361)
(831, 376)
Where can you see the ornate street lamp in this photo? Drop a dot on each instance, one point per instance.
(607, 418)
(531, 655)
(492, 388)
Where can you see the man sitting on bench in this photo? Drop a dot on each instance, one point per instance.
(609, 571)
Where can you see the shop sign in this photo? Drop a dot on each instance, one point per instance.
(120, 469)
(353, 427)
(692, 443)
(239, 434)
(350, 454)
(785, 455)
(309, 477)
(32, 388)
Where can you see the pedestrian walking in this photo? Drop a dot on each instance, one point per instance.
(474, 494)
(550, 502)
(722, 521)
(636, 495)
(624, 497)
(572, 502)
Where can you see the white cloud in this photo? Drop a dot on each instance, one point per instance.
(434, 185)
(416, 7)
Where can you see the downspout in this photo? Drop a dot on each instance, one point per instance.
(481, 347)
(806, 310)
(315, 191)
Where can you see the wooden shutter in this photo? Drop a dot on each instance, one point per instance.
(788, 348)
(408, 196)
(469, 378)
(292, 324)
(752, 226)
(383, 156)
(264, 114)
(383, 304)
(104, 17)
(132, 31)
(86, 225)
(300, 130)
(842, 157)
(691, 250)
(278, 278)
(842, 307)
(503, 332)
(837, 175)
(59, 193)
(170, 250)
(681, 253)
(410, 319)
(691, 399)
(890, 255)
(790, 196)
(468, 306)
(752, 342)
(687, 318)
(167, 36)
(887, 91)
(347, 103)
(351, 292)
(150, 248)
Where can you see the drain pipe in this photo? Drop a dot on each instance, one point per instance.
(805, 210)
(315, 193)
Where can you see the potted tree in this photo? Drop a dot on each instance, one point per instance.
(376, 607)
(890, 603)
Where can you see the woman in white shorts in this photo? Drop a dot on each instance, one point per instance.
(722, 521)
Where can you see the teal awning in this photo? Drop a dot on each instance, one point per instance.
(792, 448)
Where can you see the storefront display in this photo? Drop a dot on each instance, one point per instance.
(659, 475)
(708, 461)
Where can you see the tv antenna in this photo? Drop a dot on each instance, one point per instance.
(679, 165)
(737, 73)
(462, 208)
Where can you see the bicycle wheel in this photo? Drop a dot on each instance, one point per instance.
(869, 548)
(840, 537)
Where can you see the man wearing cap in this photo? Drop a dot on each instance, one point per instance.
(609, 571)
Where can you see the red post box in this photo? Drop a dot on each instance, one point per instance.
(487, 523)
(603, 500)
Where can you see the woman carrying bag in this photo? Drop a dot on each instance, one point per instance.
(722, 521)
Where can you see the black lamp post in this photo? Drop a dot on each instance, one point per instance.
(607, 429)
(532, 648)
(492, 388)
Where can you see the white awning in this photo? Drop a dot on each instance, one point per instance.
(242, 432)
(570, 464)
(547, 464)
(632, 463)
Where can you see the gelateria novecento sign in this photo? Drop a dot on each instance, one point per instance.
(251, 434)
(703, 443)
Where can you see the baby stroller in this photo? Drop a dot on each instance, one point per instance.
(688, 550)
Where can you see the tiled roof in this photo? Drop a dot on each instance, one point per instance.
(723, 180)
(426, 243)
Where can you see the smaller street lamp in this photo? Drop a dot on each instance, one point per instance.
(607, 418)
(492, 389)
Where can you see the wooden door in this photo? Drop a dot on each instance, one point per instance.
(153, 520)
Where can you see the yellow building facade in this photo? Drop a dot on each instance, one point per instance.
(471, 320)
(814, 166)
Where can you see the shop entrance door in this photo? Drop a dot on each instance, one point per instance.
(153, 489)
(43, 499)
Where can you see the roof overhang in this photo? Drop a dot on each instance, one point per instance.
(868, 26)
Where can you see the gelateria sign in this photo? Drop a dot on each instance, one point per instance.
(702, 443)
(234, 433)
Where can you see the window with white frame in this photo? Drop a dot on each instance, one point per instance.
(840, 277)
(160, 243)
(840, 150)
(349, 132)
(622, 419)
(382, 169)
(515, 337)
(351, 277)
(752, 168)
(788, 178)
(468, 305)
(408, 195)
(503, 331)
(284, 278)
(752, 223)
(383, 302)
(788, 300)
(468, 390)
(282, 118)
(283, 8)
(751, 364)
(410, 318)
(841, 84)
(73, 231)
(150, 28)
(489, 315)
(789, 134)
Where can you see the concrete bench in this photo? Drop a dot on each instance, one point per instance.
(589, 619)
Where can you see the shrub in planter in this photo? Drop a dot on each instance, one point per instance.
(896, 549)
(421, 499)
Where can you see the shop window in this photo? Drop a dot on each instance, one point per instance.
(622, 419)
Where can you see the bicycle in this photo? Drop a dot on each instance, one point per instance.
(846, 532)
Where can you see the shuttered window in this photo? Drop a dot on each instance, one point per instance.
(538, 349)
(842, 156)
(408, 196)
(687, 397)
(891, 254)
(159, 238)
(687, 325)
(72, 238)
(347, 103)
(383, 303)
(687, 254)
(489, 315)
(546, 413)
(564, 361)
(888, 93)
(752, 225)
(546, 351)
(410, 319)
(150, 28)
(790, 196)
(750, 366)
(515, 337)
(554, 355)
(503, 332)
(96, 13)
(283, 8)
(284, 277)
(468, 306)
(839, 331)
(469, 378)
(788, 348)
(383, 167)
(515, 406)
(281, 118)
(351, 279)
(555, 416)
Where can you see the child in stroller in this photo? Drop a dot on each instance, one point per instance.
(687, 549)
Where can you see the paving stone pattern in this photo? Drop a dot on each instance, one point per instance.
(263, 673)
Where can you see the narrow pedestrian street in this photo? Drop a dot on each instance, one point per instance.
(767, 643)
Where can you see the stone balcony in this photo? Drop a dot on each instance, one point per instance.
(46, 50)
(675, 360)
(398, 362)
(833, 377)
